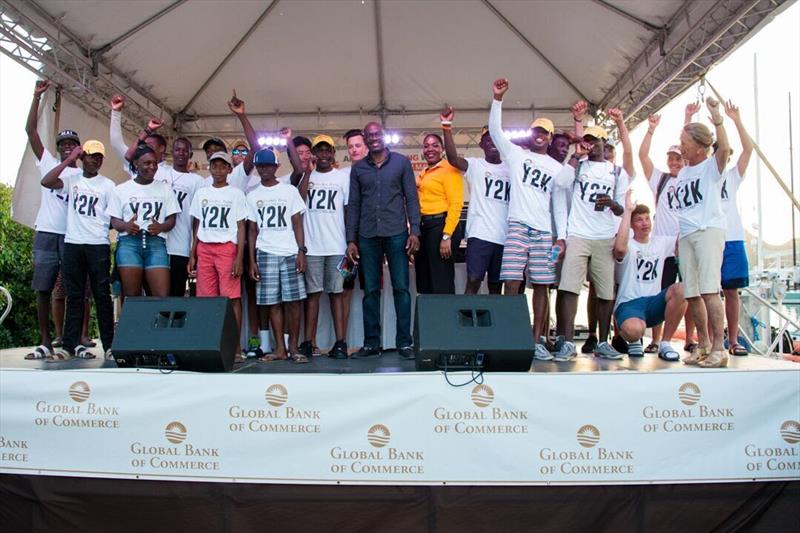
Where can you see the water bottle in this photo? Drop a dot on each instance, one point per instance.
(554, 252)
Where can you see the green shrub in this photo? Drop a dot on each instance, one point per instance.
(16, 271)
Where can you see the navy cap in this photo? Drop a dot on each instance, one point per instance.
(265, 156)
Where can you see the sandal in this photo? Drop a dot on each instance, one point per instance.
(690, 347)
(315, 351)
(109, 356)
(651, 348)
(738, 349)
(299, 358)
(40, 352)
(58, 342)
(668, 353)
(269, 358)
(59, 356)
(82, 352)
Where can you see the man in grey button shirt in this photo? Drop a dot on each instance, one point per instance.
(382, 219)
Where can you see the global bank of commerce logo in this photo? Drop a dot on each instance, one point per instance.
(379, 435)
(276, 395)
(482, 395)
(79, 391)
(689, 394)
(790, 431)
(175, 432)
(588, 436)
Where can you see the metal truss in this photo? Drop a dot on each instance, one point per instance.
(699, 35)
(36, 40)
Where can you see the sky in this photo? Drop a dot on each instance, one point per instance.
(777, 47)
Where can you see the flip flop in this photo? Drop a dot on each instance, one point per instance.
(738, 349)
(58, 342)
(315, 351)
(269, 358)
(40, 352)
(299, 358)
(651, 348)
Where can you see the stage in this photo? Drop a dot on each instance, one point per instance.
(370, 445)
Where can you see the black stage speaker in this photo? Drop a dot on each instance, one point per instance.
(197, 334)
(476, 332)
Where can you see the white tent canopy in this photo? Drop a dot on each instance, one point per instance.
(332, 65)
(328, 66)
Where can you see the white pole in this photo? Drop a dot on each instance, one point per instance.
(759, 246)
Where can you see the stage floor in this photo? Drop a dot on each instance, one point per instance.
(390, 361)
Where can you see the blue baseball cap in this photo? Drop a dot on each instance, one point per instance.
(265, 156)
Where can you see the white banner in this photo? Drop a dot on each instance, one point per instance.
(403, 428)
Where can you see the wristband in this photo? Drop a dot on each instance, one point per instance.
(447, 123)
(446, 127)
(718, 124)
(650, 132)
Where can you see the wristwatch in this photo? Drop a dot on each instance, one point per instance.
(303, 249)
(445, 237)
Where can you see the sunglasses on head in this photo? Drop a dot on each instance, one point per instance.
(240, 151)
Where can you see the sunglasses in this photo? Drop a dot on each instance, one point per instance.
(240, 151)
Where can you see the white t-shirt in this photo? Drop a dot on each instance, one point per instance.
(148, 202)
(87, 215)
(643, 266)
(699, 199)
(219, 209)
(595, 177)
(323, 223)
(730, 205)
(489, 193)
(184, 185)
(666, 217)
(272, 208)
(533, 176)
(52, 215)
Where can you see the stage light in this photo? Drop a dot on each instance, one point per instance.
(271, 140)
(262, 141)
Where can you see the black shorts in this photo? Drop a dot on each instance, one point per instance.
(483, 257)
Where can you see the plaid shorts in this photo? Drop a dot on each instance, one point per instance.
(527, 253)
(280, 281)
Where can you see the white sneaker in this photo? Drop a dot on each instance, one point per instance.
(565, 350)
(606, 351)
(540, 353)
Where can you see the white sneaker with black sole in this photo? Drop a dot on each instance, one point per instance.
(565, 350)
(540, 353)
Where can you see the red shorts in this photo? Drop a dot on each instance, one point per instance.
(215, 270)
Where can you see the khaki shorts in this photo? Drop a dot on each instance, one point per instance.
(322, 274)
(700, 261)
(576, 263)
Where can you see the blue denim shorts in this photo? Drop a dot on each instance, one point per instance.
(131, 253)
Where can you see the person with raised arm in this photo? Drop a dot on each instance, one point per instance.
(641, 302)
(703, 223)
(735, 267)
(487, 217)
(50, 227)
(87, 249)
(534, 175)
(598, 193)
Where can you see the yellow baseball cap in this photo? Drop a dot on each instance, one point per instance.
(323, 139)
(545, 123)
(94, 147)
(596, 131)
